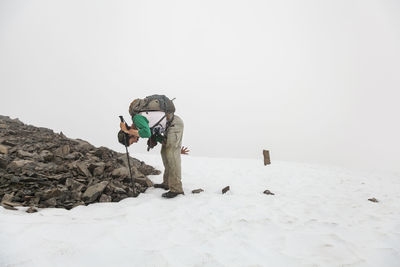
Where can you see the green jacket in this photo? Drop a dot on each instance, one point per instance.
(142, 125)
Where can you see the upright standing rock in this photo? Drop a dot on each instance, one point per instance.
(267, 159)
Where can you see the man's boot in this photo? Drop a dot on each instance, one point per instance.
(163, 186)
(171, 194)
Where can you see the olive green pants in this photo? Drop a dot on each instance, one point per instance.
(171, 156)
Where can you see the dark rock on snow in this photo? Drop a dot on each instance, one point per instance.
(267, 192)
(225, 189)
(196, 191)
(40, 168)
(31, 210)
(373, 200)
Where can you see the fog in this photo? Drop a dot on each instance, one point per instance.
(311, 81)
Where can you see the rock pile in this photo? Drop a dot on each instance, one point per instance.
(40, 168)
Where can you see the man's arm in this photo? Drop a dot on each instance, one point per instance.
(131, 131)
(142, 126)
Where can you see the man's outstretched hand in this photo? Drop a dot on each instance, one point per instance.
(185, 151)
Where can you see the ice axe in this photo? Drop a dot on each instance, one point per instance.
(127, 153)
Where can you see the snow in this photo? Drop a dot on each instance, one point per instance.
(319, 216)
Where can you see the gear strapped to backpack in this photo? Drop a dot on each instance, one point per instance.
(154, 103)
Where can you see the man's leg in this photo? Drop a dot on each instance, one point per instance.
(173, 155)
(166, 166)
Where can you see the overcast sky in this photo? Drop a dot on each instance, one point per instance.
(312, 81)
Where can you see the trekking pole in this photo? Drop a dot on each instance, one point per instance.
(127, 155)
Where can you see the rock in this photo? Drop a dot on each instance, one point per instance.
(15, 179)
(51, 203)
(7, 198)
(122, 159)
(9, 143)
(196, 191)
(116, 187)
(76, 195)
(51, 193)
(79, 203)
(3, 150)
(74, 156)
(62, 135)
(225, 189)
(8, 207)
(267, 192)
(136, 173)
(373, 200)
(267, 158)
(31, 179)
(83, 146)
(25, 154)
(74, 185)
(11, 204)
(105, 198)
(3, 162)
(46, 155)
(48, 167)
(60, 178)
(94, 191)
(62, 151)
(148, 170)
(98, 171)
(109, 166)
(82, 168)
(64, 196)
(18, 164)
(34, 201)
(144, 181)
(31, 210)
(120, 172)
(120, 190)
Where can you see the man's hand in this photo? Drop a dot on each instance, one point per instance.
(122, 125)
(185, 151)
(129, 130)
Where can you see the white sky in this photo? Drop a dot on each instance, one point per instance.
(312, 81)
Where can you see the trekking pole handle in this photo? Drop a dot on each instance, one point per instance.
(122, 120)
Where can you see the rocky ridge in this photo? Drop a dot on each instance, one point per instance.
(40, 168)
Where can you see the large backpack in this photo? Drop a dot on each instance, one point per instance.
(153, 103)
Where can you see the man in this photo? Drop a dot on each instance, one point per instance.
(171, 149)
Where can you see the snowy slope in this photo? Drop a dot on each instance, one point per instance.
(319, 216)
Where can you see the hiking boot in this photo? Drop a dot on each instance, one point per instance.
(171, 194)
(163, 186)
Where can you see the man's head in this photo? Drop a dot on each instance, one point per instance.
(133, 139)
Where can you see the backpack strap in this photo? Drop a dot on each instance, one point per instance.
(158, 123)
